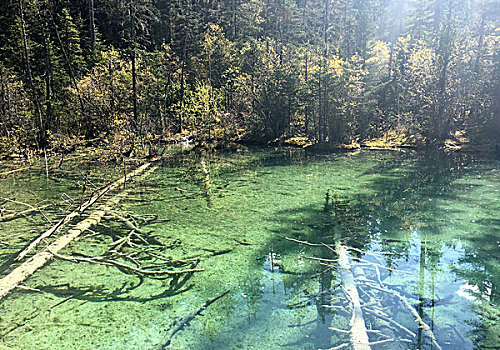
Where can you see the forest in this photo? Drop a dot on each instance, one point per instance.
(249, 174)
(139, 72)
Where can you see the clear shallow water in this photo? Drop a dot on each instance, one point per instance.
(435, 215)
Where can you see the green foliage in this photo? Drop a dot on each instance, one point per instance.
(332, 71)
(16, 132)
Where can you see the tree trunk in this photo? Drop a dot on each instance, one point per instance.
(22, 272)
(421, 291)
(70, 68)
(133, 62)
(479, 47)
(437, 16)
(92, 26)
(38, 109)
(235, 28)
(183, 68)
(48, 79)
(134, 87)
(306, 126)
(320, 109)
(358, 333)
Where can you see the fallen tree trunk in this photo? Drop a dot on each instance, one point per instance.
(29, 267)
(82, 208)
(358, 333)
(185, 321)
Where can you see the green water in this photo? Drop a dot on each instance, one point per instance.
(428, 223)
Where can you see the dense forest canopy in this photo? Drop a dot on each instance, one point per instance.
(334, 71)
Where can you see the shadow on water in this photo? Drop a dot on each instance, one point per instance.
(404, 196)
(412, 206)
(104, 294)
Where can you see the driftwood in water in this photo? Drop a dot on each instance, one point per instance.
(26, 269)
(82, 208)
(185, 321)
(358, 332)
(8, 217)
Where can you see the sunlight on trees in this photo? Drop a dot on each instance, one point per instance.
(333, 72)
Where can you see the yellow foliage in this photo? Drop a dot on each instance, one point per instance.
(300, 141)
(391, 139)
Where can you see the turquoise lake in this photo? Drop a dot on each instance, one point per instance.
(423, 226)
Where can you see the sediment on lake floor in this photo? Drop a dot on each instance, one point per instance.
(26, 269)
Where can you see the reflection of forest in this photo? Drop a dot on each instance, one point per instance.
(408, 194)
(233, 212)
(397, 212)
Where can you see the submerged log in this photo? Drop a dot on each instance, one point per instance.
(29, 267)
(21, 213)
(358, 333)
(82, 208)
(185, 321)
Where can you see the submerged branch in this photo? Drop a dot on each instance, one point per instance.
(303, 242)
(389, 320)
(110, 262)
(424, 326)
(13, 171)
(20, 273)
(185, 321)
(83, 207)
(127, 222)
(24, 212)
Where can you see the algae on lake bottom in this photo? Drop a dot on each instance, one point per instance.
(436, 214)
